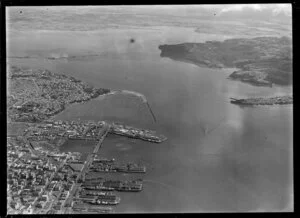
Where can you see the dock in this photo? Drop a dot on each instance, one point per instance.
(90, 158)
(102, 135)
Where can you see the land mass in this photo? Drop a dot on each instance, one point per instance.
(262, 61)
(37, 95)
(264, 101)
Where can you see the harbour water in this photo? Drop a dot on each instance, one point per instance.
(218, 156)
(84, 147)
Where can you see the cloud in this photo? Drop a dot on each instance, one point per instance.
(283, 8)
(275, 8)
(228, 8)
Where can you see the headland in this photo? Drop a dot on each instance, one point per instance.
(262, 61)
(263, 101)
(37, 95)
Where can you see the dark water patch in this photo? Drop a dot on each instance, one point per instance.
(82, 146)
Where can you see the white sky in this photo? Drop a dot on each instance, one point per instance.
(276, 8)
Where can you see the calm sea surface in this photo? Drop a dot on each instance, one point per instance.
(218, 156)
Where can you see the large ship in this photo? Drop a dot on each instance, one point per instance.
(110, 185)
(124, 168)
(102, 195)
(102, 167)
(131, 168)
(132, 132)
(105, 199)
(103, 160)
(100, 201)
(98, 209)
(130, 188)
(99, 188)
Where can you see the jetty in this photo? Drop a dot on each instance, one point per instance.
(132, 132)
(90, 158)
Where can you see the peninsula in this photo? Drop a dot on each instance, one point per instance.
(263, 101)
(262, 61)
(41, 178)
(37, 95)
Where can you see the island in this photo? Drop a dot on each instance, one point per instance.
(264, 101)
(261, 61)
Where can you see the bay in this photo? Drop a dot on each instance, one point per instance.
(218, 156)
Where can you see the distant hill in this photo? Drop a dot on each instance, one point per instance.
(262, 61)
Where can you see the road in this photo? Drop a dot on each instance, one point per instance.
(47, 183)
(102, 134)
(102, 137)
(90, 157)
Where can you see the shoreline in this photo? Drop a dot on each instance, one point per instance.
(260, 61)
(74, 104)
(224, 68)
(277, 100)
(46, 106)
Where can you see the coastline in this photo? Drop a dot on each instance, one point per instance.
(78, 103)
(54, 94)
(260, 61)
(278, 100)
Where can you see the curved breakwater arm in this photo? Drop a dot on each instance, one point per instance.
(137, 94)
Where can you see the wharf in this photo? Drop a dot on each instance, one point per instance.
(132, 132)
(103, 134)
(88, 161)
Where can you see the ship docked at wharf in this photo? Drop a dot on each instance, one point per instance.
(104, 202)
(81, 208)
(106, 199)
(100, 194)
(103, 160)
(114, 185)
(108, 166)
(98, 197)
(132, 132)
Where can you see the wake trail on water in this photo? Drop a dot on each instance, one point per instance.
(166, 185)
(160, 183)
(208, 131)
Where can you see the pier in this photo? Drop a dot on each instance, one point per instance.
(97, 133)
(90, 157)
(102, 135)
(132, 132)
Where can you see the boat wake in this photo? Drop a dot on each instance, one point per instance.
(207, 131)
(160, 183)
(170, 187)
